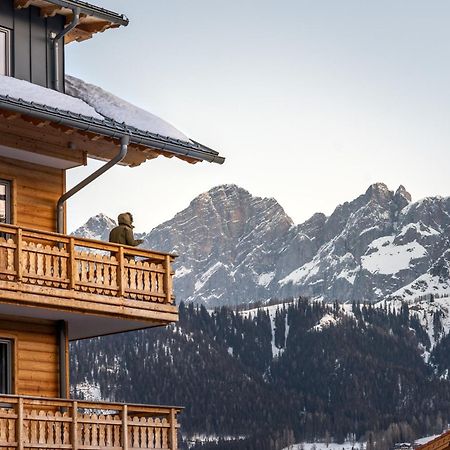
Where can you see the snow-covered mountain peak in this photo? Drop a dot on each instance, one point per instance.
(97, 227)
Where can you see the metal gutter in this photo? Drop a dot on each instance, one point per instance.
(111, 129)
(93, 10)
(56, 40)
(82, 184)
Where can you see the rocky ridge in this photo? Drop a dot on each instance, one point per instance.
(235, 247)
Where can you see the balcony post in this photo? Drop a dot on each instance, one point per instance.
(72, 264)
(18, 260)
(121, 273)
(173, 430)
(74, 437)
(167, 280)
(125, 427)
(19, 424)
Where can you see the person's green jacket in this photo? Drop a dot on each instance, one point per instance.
(123, 234)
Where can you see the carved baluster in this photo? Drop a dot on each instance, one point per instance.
(65, 426)
(153, 279)
(50, 429)
(11, 428)
(132, 277)
(117, 427)
(109, 433)
(158, 433)
(113, 273)
(94, 430)
(139, 280)
(146, 278)
(101, 431)
(3, 428)
(143, 432)
(58, 428)
(39, 263)
(33, 428)
(151, 433)
(41, 428)
(164, 434)
(86, 431)
(135, 433)
(31, 250)
(83, 269)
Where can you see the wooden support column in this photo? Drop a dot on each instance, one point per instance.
(19, 424)
(74, 431)
(125, 427)
(173, 430)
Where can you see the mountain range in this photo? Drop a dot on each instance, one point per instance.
(235, 247)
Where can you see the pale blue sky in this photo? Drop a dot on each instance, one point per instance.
(309, 101)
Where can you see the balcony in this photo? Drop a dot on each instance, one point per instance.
(34, 422)
(99, 288)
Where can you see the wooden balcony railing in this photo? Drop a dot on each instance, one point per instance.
(58, 261)
(34, 422)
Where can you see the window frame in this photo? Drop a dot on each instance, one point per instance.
(8, 200)
(9, 365)
(7, 33)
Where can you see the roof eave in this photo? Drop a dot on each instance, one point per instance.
(115, 131)
(92, 10)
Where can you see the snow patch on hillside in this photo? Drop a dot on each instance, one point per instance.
(384, 257)
(330, 446)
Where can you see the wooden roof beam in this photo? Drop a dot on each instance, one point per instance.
(19, 4)
(50, 11)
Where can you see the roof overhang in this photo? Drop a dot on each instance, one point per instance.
(46, 130)
(93, 19)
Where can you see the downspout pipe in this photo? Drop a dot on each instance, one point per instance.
(93, 176)
(56, 40)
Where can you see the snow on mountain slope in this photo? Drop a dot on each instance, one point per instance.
(237, 248)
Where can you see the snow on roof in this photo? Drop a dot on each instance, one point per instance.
(29, 92)
(89, 101)
(115, 108)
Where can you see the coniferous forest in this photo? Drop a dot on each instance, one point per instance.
(362, 376)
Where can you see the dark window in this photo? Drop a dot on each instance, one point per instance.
(5, 51)
(5, 367)
(5, 201)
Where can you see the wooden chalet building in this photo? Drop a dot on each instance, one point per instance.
(441, 442)
(55, 288)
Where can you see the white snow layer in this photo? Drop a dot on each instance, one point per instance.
(324, 446)
(29, 92)
(108, 105)
(91, 101)
(264, 279)
(387, 258)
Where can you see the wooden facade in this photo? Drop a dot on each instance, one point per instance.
(35, 355)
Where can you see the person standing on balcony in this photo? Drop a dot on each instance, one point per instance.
(123, 233)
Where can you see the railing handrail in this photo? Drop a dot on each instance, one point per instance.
(98, 245)
(87, 404)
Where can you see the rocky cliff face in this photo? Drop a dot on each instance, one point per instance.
(235, 247)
